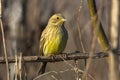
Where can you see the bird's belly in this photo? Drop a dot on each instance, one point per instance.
(54, 46)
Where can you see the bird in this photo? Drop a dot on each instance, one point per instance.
(53, 38)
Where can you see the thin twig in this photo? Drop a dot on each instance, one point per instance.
(76, 69)
(4, 44)
(36, 78)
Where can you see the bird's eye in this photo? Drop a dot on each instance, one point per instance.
(57, 17)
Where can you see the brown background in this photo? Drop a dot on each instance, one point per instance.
(24, 20)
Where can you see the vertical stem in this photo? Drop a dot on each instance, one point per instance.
(4, 44)
(114, 23)
(97, 26)
(113, 58)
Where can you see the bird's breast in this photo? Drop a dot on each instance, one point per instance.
(55, 43)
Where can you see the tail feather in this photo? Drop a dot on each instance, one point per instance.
(42, 68)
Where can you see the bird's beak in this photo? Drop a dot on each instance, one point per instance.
(64, 20)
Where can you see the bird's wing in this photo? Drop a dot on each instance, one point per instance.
(42, 41)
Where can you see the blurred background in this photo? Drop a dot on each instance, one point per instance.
(24, 21)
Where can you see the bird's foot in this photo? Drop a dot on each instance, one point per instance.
(53, 57)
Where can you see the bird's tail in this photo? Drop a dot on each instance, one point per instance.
(42, 67)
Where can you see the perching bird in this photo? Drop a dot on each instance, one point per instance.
(53, 39)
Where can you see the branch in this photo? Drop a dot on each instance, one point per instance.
(56, 58)
(97, 26)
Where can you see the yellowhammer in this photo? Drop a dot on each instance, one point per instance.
(53, 39)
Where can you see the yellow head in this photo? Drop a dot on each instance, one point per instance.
(56, 20)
